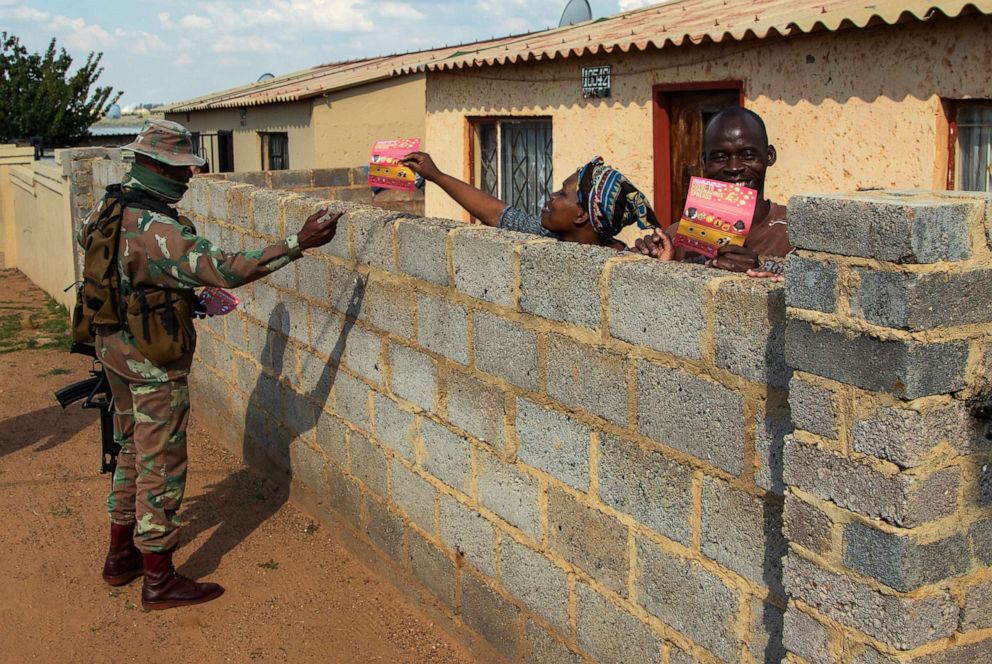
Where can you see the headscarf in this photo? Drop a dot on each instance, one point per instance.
(611, 200)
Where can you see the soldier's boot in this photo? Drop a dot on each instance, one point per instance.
(124, 562)
(164, 588)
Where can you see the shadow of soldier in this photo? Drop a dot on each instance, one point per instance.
(240, 503)
(47, 427)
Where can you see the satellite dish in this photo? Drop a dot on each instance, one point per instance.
(114, 112)
(265, 77)
(576, 11)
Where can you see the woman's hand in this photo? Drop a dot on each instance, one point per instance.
(422, 164)
(657, 245)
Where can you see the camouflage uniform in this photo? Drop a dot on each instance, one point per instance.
(151, 401)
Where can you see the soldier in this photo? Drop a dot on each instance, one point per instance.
(160, 259)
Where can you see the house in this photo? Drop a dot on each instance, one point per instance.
(323, 117)
(855, 96)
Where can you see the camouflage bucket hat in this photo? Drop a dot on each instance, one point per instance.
(168, 142)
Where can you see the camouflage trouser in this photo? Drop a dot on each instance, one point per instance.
(151, 410)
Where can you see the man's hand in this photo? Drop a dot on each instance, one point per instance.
(732, 258)
(771, 270)
(657, 245)
(318, 229)
(422, 164)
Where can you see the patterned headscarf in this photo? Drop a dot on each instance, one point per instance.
(611, 200)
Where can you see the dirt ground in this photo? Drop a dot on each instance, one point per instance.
(293, 593)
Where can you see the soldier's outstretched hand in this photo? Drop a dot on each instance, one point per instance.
(318, 229)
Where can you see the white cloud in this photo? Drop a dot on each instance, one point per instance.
(79, 34)
(196, 22)
(139, 41)
(244, 44)
(184, 59)
(166, 20)
(399, 10)
(627, 5)
(26, 14)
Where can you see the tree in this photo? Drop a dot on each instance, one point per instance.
(40, 97)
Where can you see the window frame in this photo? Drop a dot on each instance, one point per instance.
(265, 151)
(954, 107)
(473, 168)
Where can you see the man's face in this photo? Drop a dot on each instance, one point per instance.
(563, 208)
(735, 150)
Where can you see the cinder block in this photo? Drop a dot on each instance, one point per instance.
(542, 648)
(219, 192)
(340, 246)
(506, 349)
(432, 568)
(424, 249)
(314, 280)
(368, 464)
(588, 377)
(301, 414)
(308, 469)
(414, 376)
(331, 437)
(589, 539)
(394, 427)
(554, 443)
(536, 582)
(239, 210)
(468, 534)
(331, 177)
(414, 496)
(297, 179)
(813, 407)
(686, 596)
(977, 612)
(477, 407)
(351, 400)
(743, 533)
(560, 281)
(903, 500)
(917, 230)
(372, 237)
(644, 484)
(327, 335)
(442, 327)
(347, 290)
(806, 525)
(810, 284)
(492, 616)
(446, 455)
(769, 444)
(385, 529)
(317, 378)
(905, 369)
(363, 353)
(806, 637)
(389, 307)
(197, 198)
(483, 259)
(699, 416)
(903, 563)
(346, 499)
(913, 301)
(266, 205)
(765, 640)
(510, 493)
(750, 331)
(908, 622)
(660, 305)
(908, 437)
(610, 634)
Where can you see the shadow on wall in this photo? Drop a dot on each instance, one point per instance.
(266, 446)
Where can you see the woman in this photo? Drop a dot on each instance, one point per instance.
(593, 205)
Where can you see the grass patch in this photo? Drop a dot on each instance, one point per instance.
(271, 564)
(57, 371)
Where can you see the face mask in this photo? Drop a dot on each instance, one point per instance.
(140, 177)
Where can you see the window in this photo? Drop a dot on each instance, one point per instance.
(217, 149)
(971, 145)
(511, 159)
(275, 151)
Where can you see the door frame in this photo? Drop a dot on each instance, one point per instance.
(661, 126)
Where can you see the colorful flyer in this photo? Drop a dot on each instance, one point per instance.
(217, 301)
(385, 169)
(716, 214)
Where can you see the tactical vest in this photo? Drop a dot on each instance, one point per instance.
(160, 320)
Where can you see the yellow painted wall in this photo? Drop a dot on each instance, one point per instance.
(44, 228)
(333, 131)
(346, 123)
(10, 156)
(291, 117)
(858, 108)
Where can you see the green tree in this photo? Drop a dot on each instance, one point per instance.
(40, 97)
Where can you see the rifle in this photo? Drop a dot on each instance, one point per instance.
(95, 393)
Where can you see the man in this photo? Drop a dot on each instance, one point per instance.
(736, 149)
(160, 256)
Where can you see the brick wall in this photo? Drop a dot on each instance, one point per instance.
(889, 502)
(577, 456)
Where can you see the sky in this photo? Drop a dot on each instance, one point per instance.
(159, 51)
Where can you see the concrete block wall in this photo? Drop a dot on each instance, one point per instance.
(888, 506)
(574, 452)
